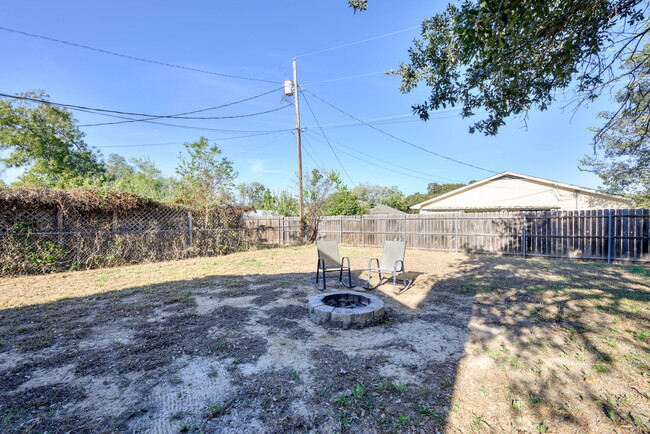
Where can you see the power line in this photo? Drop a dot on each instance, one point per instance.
(359, 42)
(139, 59)
(180, 115)
(323, 133)
(400, 139)
(312, 159)
(377, 165)
(428, 176)
(247, 115)
(146, 115)
(187, 127)
(308, 143)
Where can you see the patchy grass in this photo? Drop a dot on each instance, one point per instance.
(224, 344)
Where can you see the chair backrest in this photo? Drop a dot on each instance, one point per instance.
(393, 251)
(329, 252)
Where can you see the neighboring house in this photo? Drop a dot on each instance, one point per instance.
(509, 191)
(382, 209)
(260, 213)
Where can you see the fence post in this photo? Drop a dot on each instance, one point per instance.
(340, 229)
(404, 223)
(363, 238)
(279, 231)
(523, 238)
(59, 224)
(610, 236)
(189, 229)
(457, 215)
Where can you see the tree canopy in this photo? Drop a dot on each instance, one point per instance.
(505, 57)
(205, 180)
(139, 176)
(46, 142)
(622, 157)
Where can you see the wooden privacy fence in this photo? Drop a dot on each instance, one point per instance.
(608, 235)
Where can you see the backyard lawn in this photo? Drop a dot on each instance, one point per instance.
(225, 345)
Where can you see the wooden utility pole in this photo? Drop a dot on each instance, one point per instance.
(301, 211)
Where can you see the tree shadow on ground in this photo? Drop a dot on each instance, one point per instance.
(238, 353)
(226, 353)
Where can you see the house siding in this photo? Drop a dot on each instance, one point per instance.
(513, 193)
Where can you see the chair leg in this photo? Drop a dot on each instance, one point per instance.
(317, 278)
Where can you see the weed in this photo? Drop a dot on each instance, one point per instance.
(400, 387)
(610, 341)
(403, 420)
(343, 399)
(219, 346)
(481, 391)
(641, 336)
(383, 385)
(611, 413)
(541, 427)
(516, 402)
(534, 399)
(426, 410)
(601, 368)
(477, 421)
(358, 391)
(295, 374)
(341, 416)
(176, 416)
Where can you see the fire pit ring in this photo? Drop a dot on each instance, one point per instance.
(346, 309)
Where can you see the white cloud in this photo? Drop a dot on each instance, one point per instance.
(259, 166)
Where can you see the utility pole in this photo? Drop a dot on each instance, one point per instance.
(301, 211)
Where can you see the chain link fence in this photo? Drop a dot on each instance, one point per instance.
(45, 239)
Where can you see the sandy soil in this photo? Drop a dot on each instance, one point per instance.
(224, 345)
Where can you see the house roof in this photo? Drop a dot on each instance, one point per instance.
(384, 209)
(521, 176)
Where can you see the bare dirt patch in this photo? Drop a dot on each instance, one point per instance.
(224, 344)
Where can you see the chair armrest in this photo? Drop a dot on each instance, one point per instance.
(399, 266)
(370, 262)
(343, 259)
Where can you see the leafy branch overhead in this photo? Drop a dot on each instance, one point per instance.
(506, 57)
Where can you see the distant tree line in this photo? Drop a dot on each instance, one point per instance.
(45, 142)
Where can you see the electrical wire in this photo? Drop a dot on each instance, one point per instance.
(359, 42)
(428, 177)
(323, 133)
(150, 116)
(313, 149)
(397, 165)
(139, 59)
(400, 139)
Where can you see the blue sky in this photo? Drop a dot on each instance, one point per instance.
(258, 39)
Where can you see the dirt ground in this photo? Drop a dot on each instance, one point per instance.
(225, 345)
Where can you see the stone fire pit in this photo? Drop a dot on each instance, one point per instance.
(346, 309)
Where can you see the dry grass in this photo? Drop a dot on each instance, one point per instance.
(224, 344)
